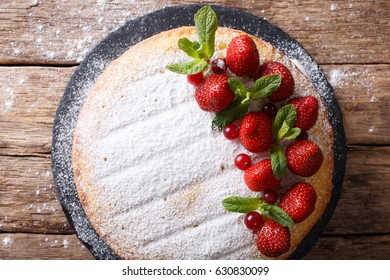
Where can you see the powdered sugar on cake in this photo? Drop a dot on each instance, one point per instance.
(151, 171)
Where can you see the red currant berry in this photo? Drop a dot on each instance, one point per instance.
(269, 109)
(242, 161)
(195, 79)
(303, 135)
(231, 131)
(218, 65)
(253, 220)
(270, 196)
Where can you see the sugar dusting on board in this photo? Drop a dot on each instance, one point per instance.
(7, 241)
(7, 98)
(82, 33)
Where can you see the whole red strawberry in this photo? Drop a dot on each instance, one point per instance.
(304, 158)
(307, 111)
(299, 201)
(286, 88)
(214, 94)
(256, 132)
(259, 176)
(273, 240)
(242, 56)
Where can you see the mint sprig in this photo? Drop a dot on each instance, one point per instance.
(206, 24)
(283, 129)
(262, 88)
(248, 204)
(236, 110)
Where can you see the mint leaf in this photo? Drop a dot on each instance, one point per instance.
(206, 23)
(237, 87)
(188, 67)
(190, 48)
(278, 161)
(236, 110)
(248, 204)
(286, 114)
(277, 214)
(292, 133)
(241, 204)
(265, 86)
(283, 131)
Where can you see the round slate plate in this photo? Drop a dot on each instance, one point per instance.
(131, 33)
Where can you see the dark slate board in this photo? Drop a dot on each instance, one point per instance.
(139, 29)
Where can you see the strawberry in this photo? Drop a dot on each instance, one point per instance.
(299, 201)
(273, 240)
(304, 158)
(242, 56)
(256, 132)
(214, 94)
(259, 176)
(286, 88)
(307, 111)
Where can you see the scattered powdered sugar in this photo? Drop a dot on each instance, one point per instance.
(65, 243)
(337, 77)
(35, 2)
(7, 98)
(8, 241)
(101, 18)
(300, 67)
(360, 82)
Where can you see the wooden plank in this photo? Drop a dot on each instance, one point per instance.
(63, 247)
(332, 32)
(363, 92)
(27, 110)
(375, 247)
(28, 101)
(21, 246)
(28, 201)
(364, 205)
(338, 32)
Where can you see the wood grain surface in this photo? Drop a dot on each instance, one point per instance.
(44, 41)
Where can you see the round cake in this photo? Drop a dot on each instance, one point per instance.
(152, 172)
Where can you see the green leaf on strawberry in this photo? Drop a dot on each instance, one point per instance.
(262, 88)
(206, 23)
(248, 204)
(278, 161)
(292, 133)
(286, 114)
(237, 87)
(265, 86)
(277, 214)
(283, 129)
(236, 110)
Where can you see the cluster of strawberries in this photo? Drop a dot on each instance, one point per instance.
(255, 132)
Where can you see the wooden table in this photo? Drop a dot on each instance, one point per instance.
(42, 42)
